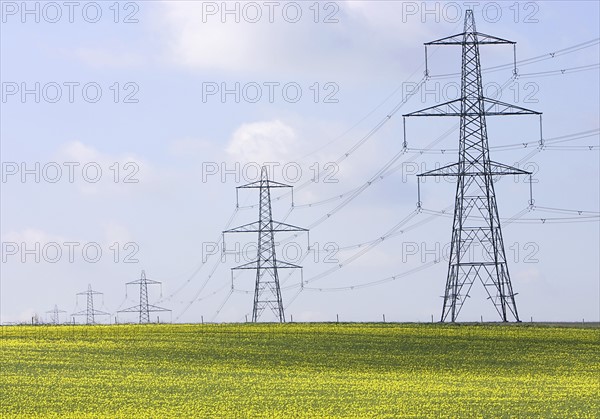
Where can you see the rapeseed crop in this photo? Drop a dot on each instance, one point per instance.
(299, 371)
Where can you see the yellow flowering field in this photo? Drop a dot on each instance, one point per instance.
(300, 371)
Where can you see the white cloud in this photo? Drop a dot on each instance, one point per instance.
(212, 45)
(389, 20)
(260, 142)
(114, 171)
(302, 49)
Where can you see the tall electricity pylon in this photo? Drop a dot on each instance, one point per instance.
(144, 308)
(55, 319)
(476, 220)
(89, 312)
(267, 292)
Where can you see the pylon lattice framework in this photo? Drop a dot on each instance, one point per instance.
(55, 319)
(90, 312)
(143, 308)
(476, 219)
(267, 291)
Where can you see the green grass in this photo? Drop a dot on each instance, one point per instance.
(300, 370)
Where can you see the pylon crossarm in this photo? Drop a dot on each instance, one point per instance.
(449, 170)
(139, 281)
(504, 169)
(279, 226)
(458, 39)
(495, 107)
(133, 309)
(102, 313)
(496, 169)
(254, 265)
(130, 309)
(492, 107)
(255, 227)
(136, 309)
(249, 265)
(450, 108)
(246, 228)
(447, 40)
(483, 38)
(269, 184)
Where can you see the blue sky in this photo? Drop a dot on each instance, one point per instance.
(362, 64)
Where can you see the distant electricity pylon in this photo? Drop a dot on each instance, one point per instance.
(55, 318)
(144, 308)
(476, 219)
(89, 312)
(267, 292)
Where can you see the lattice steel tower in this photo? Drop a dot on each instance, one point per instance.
(477, 248)
(55, 319)
(90, 312)
(267, 292)
(143, 308)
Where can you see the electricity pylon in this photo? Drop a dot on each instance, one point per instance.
(144, 308)
(89, 312)
(267, 292)
(476, 219)
(55, 319)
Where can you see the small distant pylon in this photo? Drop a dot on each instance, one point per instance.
(267, 292)
(55, 318)
(144, 308)
(90, 312)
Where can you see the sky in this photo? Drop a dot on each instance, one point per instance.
(126, 127)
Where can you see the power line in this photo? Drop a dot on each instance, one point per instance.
(531, 220)
(518, 146)
(375, 283)
(380, 175)
(543, 57)
(205, 260)
(332, 199)
(362, 252)
(561, 72)
(404, 274)
(340, 159)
